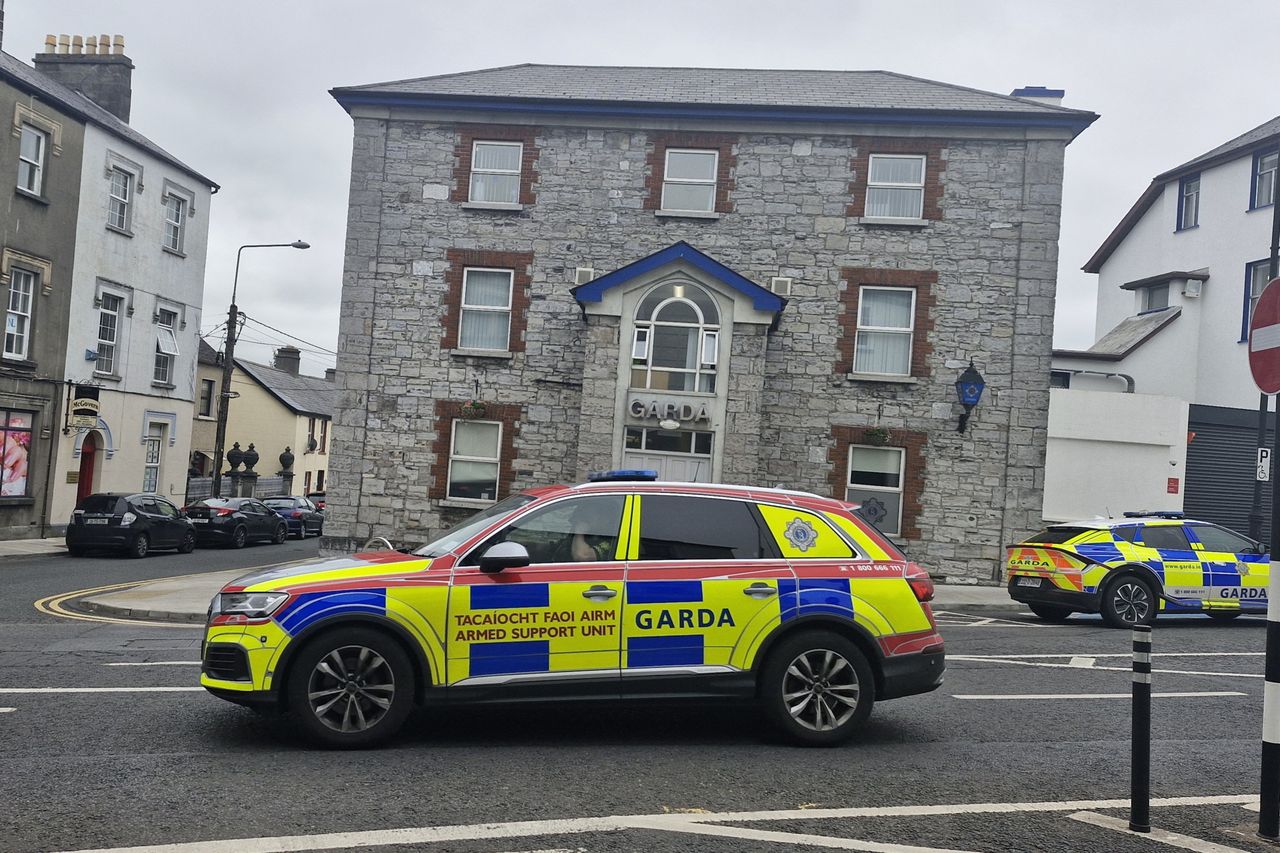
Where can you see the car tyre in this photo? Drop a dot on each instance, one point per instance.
(188, 543)
(1127, 601)
(816, 688)
(350, 688)
(239, 537)
(1223, 615)
(281, 534)
(139, 545)
(1051, 612)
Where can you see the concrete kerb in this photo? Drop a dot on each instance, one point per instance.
(186, 599)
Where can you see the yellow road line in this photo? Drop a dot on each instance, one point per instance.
(52, 605)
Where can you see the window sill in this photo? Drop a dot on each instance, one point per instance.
(514, 207)
(1180, 228)
(17, 501)
(121, 231)
(891, 378)
(210, 418)
(177, 253)
(481, 353)
(108, 377)
(17, 363)
(168, 386)
(1250, 210)
(686, 214)
(893, 220)
(30, 196)
(463, 503)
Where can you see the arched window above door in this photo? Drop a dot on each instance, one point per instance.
(676, 343)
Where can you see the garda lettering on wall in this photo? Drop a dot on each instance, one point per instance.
(669, 410)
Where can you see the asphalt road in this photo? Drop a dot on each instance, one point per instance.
(115, 769)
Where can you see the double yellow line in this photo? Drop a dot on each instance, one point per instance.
(54, 605)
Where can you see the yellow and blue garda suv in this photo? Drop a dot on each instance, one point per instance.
(1132, 568)
(623, 589)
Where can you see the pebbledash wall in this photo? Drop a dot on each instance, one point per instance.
(982, 261)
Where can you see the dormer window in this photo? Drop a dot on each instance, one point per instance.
(1155, 297)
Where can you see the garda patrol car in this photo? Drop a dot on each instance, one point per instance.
(1128, 569)
(618, 589)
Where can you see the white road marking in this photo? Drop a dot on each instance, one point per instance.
(1163, 836)
(4, 690)
(156, 663)
(1092, 695)
(1113, 655)
(791, 838)
(7, 710)
(1082, 662)
(1013, 662)
(1251, 807)
(676, 823)
(950, 618)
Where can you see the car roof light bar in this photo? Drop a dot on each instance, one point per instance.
(623, 475)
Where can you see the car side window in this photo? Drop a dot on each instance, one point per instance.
(1218, 539)
(1126, 534)
(572, 531)
(146, 506)
(688, 527)
(166, 509)
(1165, 537)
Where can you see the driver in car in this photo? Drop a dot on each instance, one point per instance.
(590, 542)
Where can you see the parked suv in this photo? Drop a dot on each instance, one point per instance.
(234, 522)
(135, 524)
(617, 589)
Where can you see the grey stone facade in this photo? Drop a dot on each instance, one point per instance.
(993, 251)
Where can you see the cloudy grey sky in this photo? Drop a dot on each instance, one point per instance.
(239, 91)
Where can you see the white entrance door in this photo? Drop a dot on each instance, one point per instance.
(682, 456)
(679, 469)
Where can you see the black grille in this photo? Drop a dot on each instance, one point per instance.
(226, 662)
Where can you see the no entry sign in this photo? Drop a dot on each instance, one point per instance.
(1264, 339)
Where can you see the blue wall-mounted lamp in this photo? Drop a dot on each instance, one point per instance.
(969, 388)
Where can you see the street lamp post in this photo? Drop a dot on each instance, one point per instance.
(228, 360)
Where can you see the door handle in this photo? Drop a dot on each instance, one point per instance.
(760, 590)
(599, 593)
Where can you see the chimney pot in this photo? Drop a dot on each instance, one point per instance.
(90, 44)
(288, 359)
(117, 45)
(50, 43)
(77, 45)
(105, 79)
(104, 44)
(64, 43)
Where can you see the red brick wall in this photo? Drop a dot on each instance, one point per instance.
(459, 259)
(933, 167)
(923, 282)
(657, 160)
(913, 469)
(446, 411)
(497, 133)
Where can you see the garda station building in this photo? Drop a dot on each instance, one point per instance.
(732, 276)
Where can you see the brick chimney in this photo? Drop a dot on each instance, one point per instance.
(94, 66)
(331, 374)
(289, 359)
(1041, 95)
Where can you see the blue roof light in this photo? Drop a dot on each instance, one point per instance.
(622, 475)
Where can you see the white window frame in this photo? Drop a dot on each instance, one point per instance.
(120, 207)
(175, 229)
(20, 319)
(1186, 199)
(1265, 177)
(166, 347)
(455, 457)
(713, 182)
(518, 171)
(871, 184)
(324, 436)
(463, 307)
(212, 386)
(1146, 294)
(1259, 277)
(709, 336)
(114, 343)
(37, 165)
(153, 453)
(910, 331)
(902, 480)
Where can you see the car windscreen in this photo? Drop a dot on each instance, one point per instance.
(100, 503)
(216, 502)
(1056, 535)
(459, 533)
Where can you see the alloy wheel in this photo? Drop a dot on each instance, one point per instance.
(821, 690)
(351, 689)
(1131, 603)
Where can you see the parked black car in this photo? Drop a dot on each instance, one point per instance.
(134, 524)
(299, 513)
(235, 521)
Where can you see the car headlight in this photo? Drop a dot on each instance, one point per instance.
(252, 605)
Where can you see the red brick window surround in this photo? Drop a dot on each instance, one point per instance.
(930, 149)
(911, 443)
(726, 162)
(856, 278)
(461, 260)
(469, 135)
(448, 414)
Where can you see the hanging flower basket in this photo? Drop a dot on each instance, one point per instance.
(473, 409)
(876, 436)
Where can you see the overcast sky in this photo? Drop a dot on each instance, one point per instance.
(239, 91)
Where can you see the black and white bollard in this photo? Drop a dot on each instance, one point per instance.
(1269, 790)
(1140, 734)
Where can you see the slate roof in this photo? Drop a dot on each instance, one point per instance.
(1127, 336)
(747, 87)
(304, 395)
(27, 78)
(1265, 135)
(208, 355)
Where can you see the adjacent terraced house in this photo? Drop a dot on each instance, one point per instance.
(739, 276)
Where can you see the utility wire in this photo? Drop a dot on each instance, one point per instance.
(287, 335)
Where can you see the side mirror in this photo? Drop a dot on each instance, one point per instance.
(504, 555)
